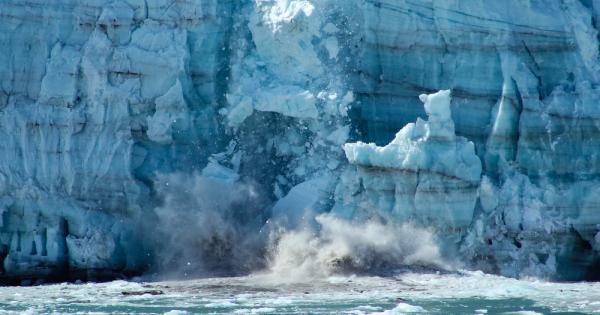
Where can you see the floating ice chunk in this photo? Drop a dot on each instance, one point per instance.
(258, 310)
(403, 308)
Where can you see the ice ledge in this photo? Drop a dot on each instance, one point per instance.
(426, 175)
(425, 145)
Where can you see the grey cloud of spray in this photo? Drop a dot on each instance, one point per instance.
(342, 246)
(207, 226)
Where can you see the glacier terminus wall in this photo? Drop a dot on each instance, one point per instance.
(140, 134)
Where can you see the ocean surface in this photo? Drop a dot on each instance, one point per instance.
(407, 293)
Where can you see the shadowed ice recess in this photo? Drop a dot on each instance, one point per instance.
(298, 139)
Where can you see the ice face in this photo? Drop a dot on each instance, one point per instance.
(99, 102)
(426, 174)
(94, 101)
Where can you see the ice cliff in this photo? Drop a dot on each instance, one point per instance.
(126, 126)
(426, 174)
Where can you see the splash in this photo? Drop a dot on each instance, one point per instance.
(212, 227)
(341, 246)
(208, 226)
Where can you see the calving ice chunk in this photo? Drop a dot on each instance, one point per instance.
(425, 174)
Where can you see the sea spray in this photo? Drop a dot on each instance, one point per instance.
(211, 226)
(207, 226)
(341, 246)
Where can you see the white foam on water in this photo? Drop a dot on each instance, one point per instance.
(405, 293)
(255, 310)
(402, 308)
(221, 304)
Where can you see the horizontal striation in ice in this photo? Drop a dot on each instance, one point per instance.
(426, 174)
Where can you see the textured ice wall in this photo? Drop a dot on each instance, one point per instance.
(97, 98)
(425, 175)
(524, 81)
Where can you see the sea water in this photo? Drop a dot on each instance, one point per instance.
(407, 293)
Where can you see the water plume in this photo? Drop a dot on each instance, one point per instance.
(341, 246)
(207, 226)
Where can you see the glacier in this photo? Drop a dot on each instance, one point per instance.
(137, 135)
(426, 174)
